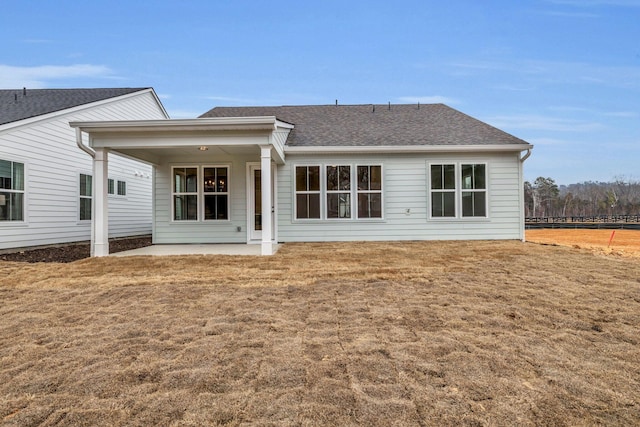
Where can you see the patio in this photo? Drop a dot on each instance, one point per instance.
(195, 249)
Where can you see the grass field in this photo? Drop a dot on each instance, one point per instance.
(419, 333)
(615, 242)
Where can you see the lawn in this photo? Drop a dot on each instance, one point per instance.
(417, 333)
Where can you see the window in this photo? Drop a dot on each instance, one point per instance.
(122, 188)
(369, 192)
(466, 187)
(308, 192)
(339, 191)
(443, 190)
(185, 194)
(86, 188)
(11, 191)
(207, 187)
(216, 195)
(111, 187)
(474, 190)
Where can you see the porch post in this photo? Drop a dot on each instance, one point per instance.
(265, 186)
(100, 211)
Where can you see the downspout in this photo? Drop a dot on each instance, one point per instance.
(522, 159)
(83, 147)
(90, 151)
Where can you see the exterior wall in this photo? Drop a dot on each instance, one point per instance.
(167, 231)
(53, 163)
(406, 201)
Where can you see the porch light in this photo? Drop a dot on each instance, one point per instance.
(203, 148)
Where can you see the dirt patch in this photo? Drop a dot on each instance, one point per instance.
(614, 242)
(73, 252)
(419, 333)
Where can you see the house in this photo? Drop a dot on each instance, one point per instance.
(46, 179)
(321, 173)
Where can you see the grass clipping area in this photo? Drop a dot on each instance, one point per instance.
(420, 333)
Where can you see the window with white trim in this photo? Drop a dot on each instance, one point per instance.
(200, 193)
(339, 192)
(185, 193)
(11, 191)
(307, 192)
(111, 186)
(443, 190)
(122, 188)
(369, 191)
(216, 193)
(463, 185)
(85, 193)
(474, 190)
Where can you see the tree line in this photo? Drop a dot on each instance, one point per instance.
(544, 198)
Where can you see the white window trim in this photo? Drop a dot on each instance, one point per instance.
(323, 192)
(200, 193)
(116, 183)
(319, 192)
(458, 191)
(350, 191)
(24, 192)
(381, 191)
(79, 197)
(227, 193)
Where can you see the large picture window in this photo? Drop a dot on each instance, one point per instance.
(308, 192)
(339, 191)
(200, 189)
(452, 186)
(11, 191)
(86, 190)
(369, 191)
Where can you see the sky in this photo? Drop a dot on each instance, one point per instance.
(564, 75)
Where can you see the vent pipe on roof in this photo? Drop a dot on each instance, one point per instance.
(336, 102)
(418, 105)
(15, 97)
(389, 105)
(374, 108)
(24, 91)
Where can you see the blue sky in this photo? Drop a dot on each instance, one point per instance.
(561, 74)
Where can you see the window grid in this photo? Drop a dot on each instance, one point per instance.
(458, 191)
(86, 195)
(338, 181)
(369, 191)
(307, 192)
(11, 191)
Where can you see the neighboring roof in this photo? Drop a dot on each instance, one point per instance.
(20, 104)
(377, 125)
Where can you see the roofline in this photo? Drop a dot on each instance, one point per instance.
(30, 120)
(210, 123)
(407, 149)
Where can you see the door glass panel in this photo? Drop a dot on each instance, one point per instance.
(257, 200)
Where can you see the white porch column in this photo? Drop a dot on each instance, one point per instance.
(100, 205)
(265, 186)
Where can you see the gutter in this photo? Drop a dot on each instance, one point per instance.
(83, 147)
(526, 156)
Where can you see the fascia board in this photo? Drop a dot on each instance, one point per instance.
(407, 149)
(267, 123)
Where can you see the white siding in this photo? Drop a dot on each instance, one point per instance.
(169, 231)
(53, 163)
(405, 182)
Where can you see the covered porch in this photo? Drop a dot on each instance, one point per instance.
(213, 178)
(196, 249)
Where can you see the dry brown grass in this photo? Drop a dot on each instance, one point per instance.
(425, 333)
(624, 242)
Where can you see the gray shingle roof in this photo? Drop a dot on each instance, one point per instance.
(376, 125)
(15, 105)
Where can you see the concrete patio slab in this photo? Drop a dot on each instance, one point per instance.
(194, 249)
